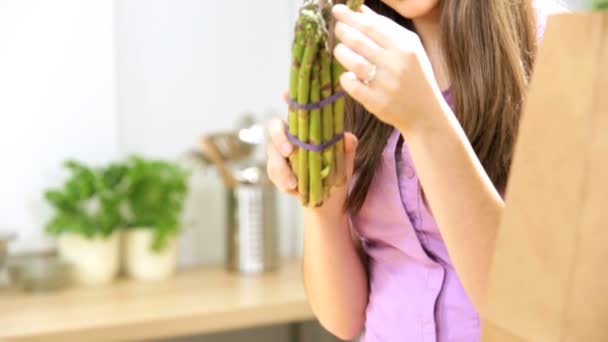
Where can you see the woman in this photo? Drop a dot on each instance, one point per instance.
(437, 89)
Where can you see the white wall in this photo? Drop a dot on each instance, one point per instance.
(576, 4)
(187, 67)
(57, 100)
(190, 67)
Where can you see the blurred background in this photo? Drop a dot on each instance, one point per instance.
(100, 80)
(97, 80)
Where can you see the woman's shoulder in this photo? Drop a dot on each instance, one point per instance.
(544, 9)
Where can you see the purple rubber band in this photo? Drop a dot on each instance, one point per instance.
(312, 147)
(317, 105)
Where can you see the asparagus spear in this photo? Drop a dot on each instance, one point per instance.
(328, 121)
(340, 170)
(338, 70)
(354, 4)
(297, 54)
(316, 181)
(310, 54)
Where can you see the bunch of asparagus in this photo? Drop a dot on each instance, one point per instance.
(315, 76)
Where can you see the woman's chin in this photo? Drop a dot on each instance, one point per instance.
(413, 9)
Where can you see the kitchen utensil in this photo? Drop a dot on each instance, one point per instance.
(252, 234)
(210, 150)
(5, 238)
(251, 227)
(40, 273)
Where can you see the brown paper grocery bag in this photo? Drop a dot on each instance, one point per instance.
(549, 280)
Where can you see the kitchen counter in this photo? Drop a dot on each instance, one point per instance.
(195, 302)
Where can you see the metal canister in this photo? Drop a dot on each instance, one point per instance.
(252, 231)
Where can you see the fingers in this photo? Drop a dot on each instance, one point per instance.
(353, 61)
(276, 129)
(359, 43)
(366, 10)
(278, 150)
(350, 149)
(279, 171)
(278, 168)
(367, 96)
(386, 23)
(366, 22)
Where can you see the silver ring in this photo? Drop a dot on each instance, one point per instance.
(372, 75)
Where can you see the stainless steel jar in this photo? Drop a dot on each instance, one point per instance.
(252, 232)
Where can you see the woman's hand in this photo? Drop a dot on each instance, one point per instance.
(402, 90)
(281, 175)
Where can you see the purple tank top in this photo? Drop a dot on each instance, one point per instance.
(415, 294)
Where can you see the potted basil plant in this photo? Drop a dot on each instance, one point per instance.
(87, 219)
(156, 192)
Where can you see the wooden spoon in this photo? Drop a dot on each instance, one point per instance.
(211, 152)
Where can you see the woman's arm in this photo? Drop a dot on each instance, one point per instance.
(334, 273)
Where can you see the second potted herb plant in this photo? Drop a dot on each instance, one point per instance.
(153, 206)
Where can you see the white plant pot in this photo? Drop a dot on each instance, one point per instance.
(141, 262)
(95, 260)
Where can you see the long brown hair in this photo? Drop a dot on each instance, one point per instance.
(491, 45)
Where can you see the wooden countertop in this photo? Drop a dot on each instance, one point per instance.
(202, 301)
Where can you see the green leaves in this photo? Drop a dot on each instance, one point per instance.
(86, 204)
(155, 199)
(137, 194)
